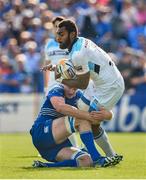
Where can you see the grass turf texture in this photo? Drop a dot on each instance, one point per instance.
(17, 154)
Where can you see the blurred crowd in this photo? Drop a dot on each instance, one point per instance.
(117, 26)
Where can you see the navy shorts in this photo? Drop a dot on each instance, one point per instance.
(44, 142)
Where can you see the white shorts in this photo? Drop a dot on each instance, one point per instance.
(108, 99)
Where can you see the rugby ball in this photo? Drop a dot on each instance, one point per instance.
(66, 69)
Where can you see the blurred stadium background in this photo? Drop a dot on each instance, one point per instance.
(118, 26)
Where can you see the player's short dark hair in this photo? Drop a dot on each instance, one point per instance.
(69, 25)
(58, 18)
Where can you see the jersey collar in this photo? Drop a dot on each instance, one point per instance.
(72, 44)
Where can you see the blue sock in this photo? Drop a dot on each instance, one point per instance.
(87, 139)
(65, 163)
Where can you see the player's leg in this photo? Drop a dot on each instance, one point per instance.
(47, 134)
(102, 140)
(62, 128)
(73, 139)
(82, 158)
(100, 136)
(68, 157)
(86, 136)
(104, 144)
(54, 134)
(49, 138)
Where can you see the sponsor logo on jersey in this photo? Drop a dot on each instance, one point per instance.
(57, 52)
(46, 129)
(86, 43)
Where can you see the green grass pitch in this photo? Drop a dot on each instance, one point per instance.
(17, 154)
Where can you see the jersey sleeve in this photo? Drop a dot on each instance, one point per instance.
(79, 93)
(80, 58)
(56, 91)
(46, 48)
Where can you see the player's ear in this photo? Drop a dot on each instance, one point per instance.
(72, 35)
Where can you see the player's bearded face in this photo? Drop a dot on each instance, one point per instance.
(63, 38)
(66, 43)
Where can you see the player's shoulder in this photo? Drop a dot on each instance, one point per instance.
(80, 44)
(57, 89)
(79, 93)
(51, 43)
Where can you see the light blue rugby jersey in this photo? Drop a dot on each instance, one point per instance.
(48, 111)
(53, 52)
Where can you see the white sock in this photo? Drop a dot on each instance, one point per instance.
(103, 142)
(73, 140)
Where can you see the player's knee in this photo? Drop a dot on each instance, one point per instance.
(85, 161)
(82, 158)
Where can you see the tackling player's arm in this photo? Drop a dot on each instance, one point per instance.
(60, 106)
(103, 114)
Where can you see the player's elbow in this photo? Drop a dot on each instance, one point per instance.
(59, 107)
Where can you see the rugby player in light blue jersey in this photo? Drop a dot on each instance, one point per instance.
(96, 73)
(53, 54)
(55, 123)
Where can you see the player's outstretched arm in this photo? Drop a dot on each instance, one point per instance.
(63, 108)
(48, 67)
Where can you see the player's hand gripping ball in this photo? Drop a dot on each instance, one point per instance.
(66, 69)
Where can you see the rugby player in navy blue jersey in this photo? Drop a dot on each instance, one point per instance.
(55, 123)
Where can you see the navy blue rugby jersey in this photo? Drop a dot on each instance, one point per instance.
(48, 111)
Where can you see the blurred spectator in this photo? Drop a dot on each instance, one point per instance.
(141, 12)
(9, 82)
(4, 65)
(37, 30)
(33, 64)
(88, 29)
(133, 35)
(125, 66)
(128, 13)
(25, 36)
(138, 75)
(3, 34)
(12, 50)
(25, 78)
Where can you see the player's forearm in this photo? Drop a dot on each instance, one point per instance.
(73, 84)
(81, 81)
(74, 112)
(46, 79)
